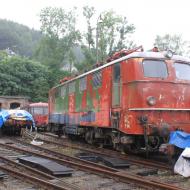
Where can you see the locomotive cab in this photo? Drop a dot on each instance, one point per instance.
(155, 99)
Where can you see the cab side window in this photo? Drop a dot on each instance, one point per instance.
(97, 79)
(155, 68)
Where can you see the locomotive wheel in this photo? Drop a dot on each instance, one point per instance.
(132, 148)
(119, 147)
(72, 137)
(89, 137)
(153, 142)
(45, 129)
(48, 129)
(108, 141)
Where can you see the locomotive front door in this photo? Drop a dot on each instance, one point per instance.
(116, 86)
(116, 96)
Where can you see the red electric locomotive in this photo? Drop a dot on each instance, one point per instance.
(39, 111)
(132, 102)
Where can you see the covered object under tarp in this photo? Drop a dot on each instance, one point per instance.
(17, 117)
(180, 139)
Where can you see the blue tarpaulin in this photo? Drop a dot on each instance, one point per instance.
(180, 139)
(17, 114)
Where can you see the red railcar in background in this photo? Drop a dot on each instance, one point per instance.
(132, 102)
(39, 111)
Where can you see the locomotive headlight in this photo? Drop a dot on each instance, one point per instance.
(151, 100)
(168, 54)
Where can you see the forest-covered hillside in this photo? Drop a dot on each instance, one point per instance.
(19, 38)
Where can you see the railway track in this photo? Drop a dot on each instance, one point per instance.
(17, 148)
(97, 169)
(30, 175)
(53, 139)
(104, 152)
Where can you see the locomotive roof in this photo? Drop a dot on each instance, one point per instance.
(41, 104)
(149, 55)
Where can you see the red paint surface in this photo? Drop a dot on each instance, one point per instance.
(39, 119)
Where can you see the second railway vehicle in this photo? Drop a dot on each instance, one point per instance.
(39, 111)
(132, 102)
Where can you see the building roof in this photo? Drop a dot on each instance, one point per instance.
(15, 97)
(40, 104)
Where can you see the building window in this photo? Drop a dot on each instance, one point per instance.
(82, 84)
(72, 87)
(14, 105)
(97, 79)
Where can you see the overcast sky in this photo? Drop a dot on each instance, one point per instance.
(150, 17)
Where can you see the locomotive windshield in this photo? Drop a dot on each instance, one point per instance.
(155, 68)
(182, 71)
(39, 110)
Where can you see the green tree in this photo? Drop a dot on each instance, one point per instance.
(61, 36)
(114, 33)
(88, 13)
(111, 34)
(21, 76)
(19, 38)
(88, 43)
(173, 42)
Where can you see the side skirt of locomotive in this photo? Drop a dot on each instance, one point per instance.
(110, 137)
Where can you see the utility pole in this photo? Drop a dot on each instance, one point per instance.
(97, 36)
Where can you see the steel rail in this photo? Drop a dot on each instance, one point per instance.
(121, 176)
(35, 171)
(66, 157)
(42, 183)
(112, 153)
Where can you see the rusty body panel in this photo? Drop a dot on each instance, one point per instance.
(123, 96)
(90, 107)
(172, 102)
